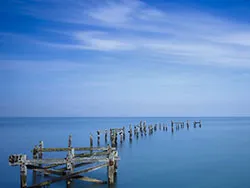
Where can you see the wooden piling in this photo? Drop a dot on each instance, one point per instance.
(111, 169)
(91, 140)
(106, 135)
(123, 130)
(23, 172)
(98, 137)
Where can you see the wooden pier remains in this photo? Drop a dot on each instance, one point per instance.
(67, 168)
(197, 123)
(80, 160)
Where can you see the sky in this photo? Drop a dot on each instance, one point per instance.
(124, 58)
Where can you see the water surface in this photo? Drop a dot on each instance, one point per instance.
(216, 155)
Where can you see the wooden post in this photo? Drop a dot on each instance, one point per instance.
(106, 135)
(69, 164)
(98, 137)
(166, 128)
(91, 140)
(35, 156)
(121, 136)
(116, 162)
(70, 141)
(23, 172)
(40, 153)
(187, 124)
(123, 129)
(200, 124)
(160, 126)
(130, 133)
(111, 168)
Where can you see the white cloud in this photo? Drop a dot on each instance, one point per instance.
(167, 34)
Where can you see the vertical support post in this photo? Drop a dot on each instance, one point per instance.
(121, 136)
(111, 168)
(98, 137)
(40, 153)
(130, 133)
(200, 124)
(116, 162)
(69, 163)
(70, 141)
(91, 140)
(106, 135)
(23, 172)
(123, 129)
(35, 156)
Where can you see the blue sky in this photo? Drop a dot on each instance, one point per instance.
(125, 58)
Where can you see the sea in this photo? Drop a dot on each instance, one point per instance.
(217, 155)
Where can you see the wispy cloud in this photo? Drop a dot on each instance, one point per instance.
(174, 36)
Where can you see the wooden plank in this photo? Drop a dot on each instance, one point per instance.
(76, 149)
(91, 154)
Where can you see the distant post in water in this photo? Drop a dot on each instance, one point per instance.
(106, 135)
(98, 137)
(91, 140)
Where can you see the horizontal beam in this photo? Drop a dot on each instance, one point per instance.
(75, 148)
(69, 176)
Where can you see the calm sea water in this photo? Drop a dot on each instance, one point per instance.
(216, 155)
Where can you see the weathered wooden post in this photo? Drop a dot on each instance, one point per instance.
(35, 156)
(98, 137)
(111, 168)
(113, 142)
(172, 128)
(116, 162)
(187, 124)
(123, 129)
(23, 172)
(130, 133)
(121, 136)
(135, 129)
(115, 137)
(91, 140)
(106, 135)
(200, 124)
(40, 153)
(69, 163)
(166, 128)
(70, 141)
(155, 127)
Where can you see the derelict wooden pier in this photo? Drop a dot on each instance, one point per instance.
(81, 160)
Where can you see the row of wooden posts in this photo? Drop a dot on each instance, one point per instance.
(140, 129)
(92, 158)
